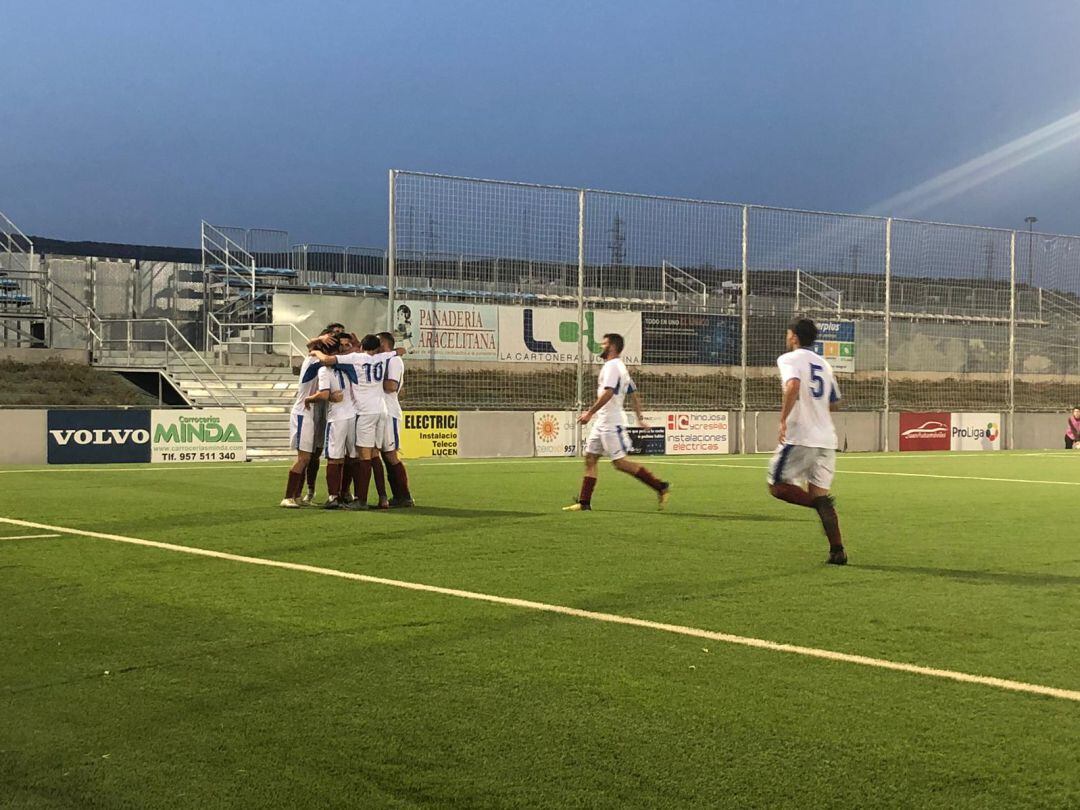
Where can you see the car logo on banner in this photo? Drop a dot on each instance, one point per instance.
(925, 431)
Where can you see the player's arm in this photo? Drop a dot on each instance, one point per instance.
(635, 403)
(834, 397)
(791, 396)
(318, 396)
(601, 401)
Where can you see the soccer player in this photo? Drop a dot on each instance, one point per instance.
(608, 434)
(319, 412)
(807, 448)
(305, 428)
(389, 432)
(340, 438)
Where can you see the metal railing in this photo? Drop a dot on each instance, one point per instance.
(220, 334)
(173, 343)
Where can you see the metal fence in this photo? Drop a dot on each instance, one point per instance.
(918, 315)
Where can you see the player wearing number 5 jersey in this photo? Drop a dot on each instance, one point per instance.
(807, 448)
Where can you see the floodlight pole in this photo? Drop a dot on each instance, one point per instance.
(1012, 336)
(1031, 266)
(391, 255)
(581, 320)
(744, 315)
(888, 333)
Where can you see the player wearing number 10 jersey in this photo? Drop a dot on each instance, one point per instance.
(807, 448)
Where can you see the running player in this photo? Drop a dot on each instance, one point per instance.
(807, 449)
(389, 432)
(608, 434)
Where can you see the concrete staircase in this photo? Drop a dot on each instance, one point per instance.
(266, 392)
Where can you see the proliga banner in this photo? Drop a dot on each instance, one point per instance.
(976, 431)
(426, 434)
(198, 435)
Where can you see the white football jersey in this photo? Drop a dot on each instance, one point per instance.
(613, 375)
(395, 370)
(810, 423)
(308, 385)
(336, 380)
(367, 387)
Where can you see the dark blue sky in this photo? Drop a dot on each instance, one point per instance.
(130, 121)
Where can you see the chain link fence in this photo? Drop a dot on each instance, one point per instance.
(914, 315)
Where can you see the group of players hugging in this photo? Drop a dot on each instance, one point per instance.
(347, 411)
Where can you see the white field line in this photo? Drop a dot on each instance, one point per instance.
(434, 463)
(845, 471)
(28, 536)
(610, 618)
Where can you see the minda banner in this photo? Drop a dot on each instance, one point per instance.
(198, 435)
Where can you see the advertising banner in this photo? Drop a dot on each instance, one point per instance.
(976, 431)
(202, 435)
(692, 432)
(550, 334)
(429, 433)
(98, 437)
(439, 330)
(683, 338)
(555, 433)
(836, 343)
(925, 431)
(650, 441)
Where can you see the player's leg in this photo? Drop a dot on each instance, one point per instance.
(784, 470)
(820, 477)
(378, 475)
(319, 439)
(296, 476)
(334, 453)
(617, 445)
(312, 474)
(588, 481)
(395, 470)
(1068, 443)
(365, 448)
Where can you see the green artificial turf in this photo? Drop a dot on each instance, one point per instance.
(235, 685)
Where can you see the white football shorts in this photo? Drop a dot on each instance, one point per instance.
(793, 464)
(340, 440)
(367, 429)
(304, 431)
(608, 441)
(389, 433)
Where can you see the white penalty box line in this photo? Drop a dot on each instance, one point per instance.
(609, 618)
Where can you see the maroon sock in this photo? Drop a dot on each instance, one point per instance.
(352, 477)
(829, 521)
(403, 480)
(379, 475)
(295, 485)
(333, 479)
(312, 471)
(363, 481)
(588, 484)
(393, 475)
(792, 494)
(648, 479)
